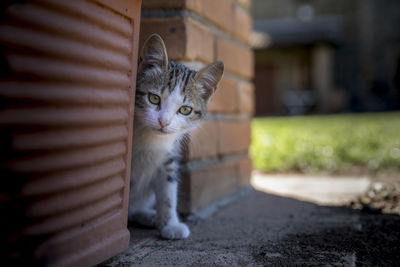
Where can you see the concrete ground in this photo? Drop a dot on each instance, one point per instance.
(323, 190)
(265, 229)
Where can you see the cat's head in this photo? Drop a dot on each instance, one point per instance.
(171, 98)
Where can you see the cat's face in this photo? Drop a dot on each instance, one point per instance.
(170, 98)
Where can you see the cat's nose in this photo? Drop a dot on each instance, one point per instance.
(163, 123)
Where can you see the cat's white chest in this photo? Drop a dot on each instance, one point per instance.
(149, 152)
(146, 161)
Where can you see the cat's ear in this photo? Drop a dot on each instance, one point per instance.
(209, 77)
(154, 53)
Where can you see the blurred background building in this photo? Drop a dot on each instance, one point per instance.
(326, 56)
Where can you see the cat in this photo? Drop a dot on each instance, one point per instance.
(171, 100)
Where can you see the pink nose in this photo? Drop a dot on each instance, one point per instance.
(163, 123)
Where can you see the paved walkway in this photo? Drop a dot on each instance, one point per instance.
(261, 229)
(321, 189)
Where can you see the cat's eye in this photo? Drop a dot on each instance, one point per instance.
(154, 99)
(185, 110)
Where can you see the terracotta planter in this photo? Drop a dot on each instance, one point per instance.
(66, 113)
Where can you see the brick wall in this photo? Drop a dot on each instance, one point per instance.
(198, 32)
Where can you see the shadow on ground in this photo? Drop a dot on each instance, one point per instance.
(261, 229)
(372, 242)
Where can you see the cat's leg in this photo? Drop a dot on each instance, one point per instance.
(141, 209)
(166, 189)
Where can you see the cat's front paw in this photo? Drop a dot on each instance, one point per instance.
(175, 231)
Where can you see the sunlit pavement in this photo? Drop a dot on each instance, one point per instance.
(324, 190)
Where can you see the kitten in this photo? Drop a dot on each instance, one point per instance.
(171, 100)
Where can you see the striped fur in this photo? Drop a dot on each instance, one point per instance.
(165, 84)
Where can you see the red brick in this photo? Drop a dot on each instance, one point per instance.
(225, 99)
(172, 30)
(245, 3)
(234, 137)
(200, 42)
(184, 194)
(242, 23)
(208, 185)
(184, 38)
(201, 187)
(245, 169)
(203, 141)
(246, 98)
(219, 12)
(237, 59)
(193, 5)
(163, 4)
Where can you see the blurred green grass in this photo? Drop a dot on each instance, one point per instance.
(329, 143)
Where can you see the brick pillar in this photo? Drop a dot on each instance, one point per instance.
(197, 33)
